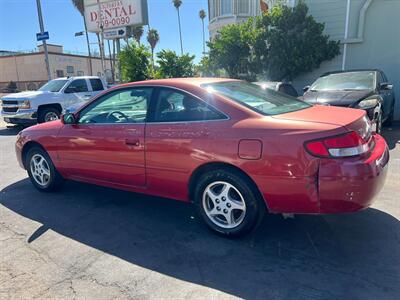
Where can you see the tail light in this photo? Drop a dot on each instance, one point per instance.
(345, 145)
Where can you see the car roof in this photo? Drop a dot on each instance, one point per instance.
(194, 81)
(350, 71)
(77, 77)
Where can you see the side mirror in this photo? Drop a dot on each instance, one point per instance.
(68, 118)
(306, 88)
(386, 86)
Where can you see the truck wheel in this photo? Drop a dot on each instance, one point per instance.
(48, 114)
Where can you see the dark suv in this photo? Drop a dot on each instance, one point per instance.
(364, 89)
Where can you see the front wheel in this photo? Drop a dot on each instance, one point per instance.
(228, 202)
(48, 114)
(377, 123)
(41, 170)
(390, 118)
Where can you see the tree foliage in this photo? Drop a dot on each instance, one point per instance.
(232, 50)
(170, 65)
(290, 42)
(135, 62)
(137, 33)
(280, 44)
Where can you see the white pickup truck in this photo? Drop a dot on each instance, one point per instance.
(47, 103)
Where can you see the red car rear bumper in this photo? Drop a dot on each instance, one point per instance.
(338, 185)
(351, 185)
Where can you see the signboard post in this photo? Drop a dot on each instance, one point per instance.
(43, 36)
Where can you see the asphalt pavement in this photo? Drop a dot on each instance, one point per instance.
(90, 242)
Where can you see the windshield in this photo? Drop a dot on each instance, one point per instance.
(53, 85)
(264, 101)
(364, 80)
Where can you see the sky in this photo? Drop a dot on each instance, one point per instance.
(19, 25)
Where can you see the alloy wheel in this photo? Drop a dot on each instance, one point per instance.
(223, 204)
(40, 170)
(51, 116)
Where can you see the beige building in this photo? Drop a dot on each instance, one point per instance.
(28, 70)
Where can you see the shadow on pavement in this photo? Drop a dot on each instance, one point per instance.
(10, 130)
(354, 255)
(392, 135)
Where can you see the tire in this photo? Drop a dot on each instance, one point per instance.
(378, 123)
(390, 118)
(48, 114)
(234, 213)
(41, 170)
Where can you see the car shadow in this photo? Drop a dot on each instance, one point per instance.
(323, 257)
(10, 130)
(392, 135)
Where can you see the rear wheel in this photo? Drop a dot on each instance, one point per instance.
(228, 202)
(48, 114)
(41, 170)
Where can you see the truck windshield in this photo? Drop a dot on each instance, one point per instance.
(53, 85)
(263, 101)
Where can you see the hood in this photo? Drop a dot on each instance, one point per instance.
(336, 98)
(24, 95)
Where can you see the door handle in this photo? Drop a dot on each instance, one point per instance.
(135, 143)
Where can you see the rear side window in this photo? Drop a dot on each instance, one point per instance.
(263, 101)
(176, 106)
(97, 85)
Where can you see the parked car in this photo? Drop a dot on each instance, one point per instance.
(283, 87)
(364, 89)
(47, 103)
(231, 147)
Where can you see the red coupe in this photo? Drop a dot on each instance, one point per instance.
(233, 148)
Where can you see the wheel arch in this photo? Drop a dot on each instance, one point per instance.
(207, 167)
(52, 105)
(25, 149)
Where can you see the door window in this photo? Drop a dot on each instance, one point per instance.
(77, 86)
(175, 106)
(118, 107)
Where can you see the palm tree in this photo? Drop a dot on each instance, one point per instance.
(137, 33)
(177, 4)
(153, 38)
(81, 8)
(202, 15)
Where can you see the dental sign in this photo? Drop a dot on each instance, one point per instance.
(113, 14)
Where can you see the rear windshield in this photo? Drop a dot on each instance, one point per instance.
(262, 100)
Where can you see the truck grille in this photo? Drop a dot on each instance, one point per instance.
(9, 106)
(10, 109)
(9, 102)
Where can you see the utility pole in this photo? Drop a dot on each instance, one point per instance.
(46, 54)
(88, 47)
(101, 38)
